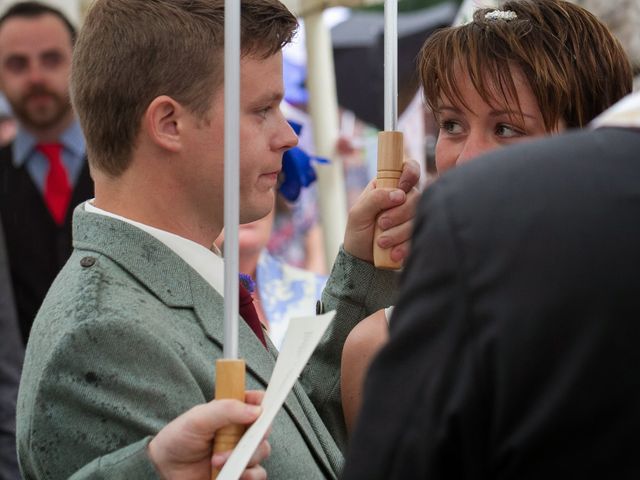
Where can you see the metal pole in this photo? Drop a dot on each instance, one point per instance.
(391, 65)
(231, 370)
(231, 174)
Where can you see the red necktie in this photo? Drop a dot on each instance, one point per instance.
(248, 312)
(57, 191)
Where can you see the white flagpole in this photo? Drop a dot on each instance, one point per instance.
(230, 371)
(231, 174)
(391, 65)
(390, 142)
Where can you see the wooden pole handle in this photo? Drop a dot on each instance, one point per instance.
(390, 158)
(230, 382)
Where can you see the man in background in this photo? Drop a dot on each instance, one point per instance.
(43, 172)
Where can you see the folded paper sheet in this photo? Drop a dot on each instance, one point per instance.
(300, 341)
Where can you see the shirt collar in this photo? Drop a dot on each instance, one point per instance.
(25, 143)
(73, 139)
(204, 261)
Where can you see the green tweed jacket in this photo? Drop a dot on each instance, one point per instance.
(126, 340)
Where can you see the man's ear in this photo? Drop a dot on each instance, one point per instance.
(162, 122)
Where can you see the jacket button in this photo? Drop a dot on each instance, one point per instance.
(87, 262)
(319, 308)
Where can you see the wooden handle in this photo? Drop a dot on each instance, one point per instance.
(390, 157)
(230, 381)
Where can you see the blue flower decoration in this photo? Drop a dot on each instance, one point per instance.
(247, 282)
(297, 170)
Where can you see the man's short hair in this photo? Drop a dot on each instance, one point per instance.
(132, 51)
(575, 67)
(34, 10)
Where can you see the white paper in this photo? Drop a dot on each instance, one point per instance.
(301, 339)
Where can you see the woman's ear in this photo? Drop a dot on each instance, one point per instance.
(162, 123)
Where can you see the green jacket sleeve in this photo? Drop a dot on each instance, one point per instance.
(355, 289)
(85, 414)
(126, 463)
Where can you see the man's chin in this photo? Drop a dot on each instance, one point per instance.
(41, 117)
(255, 212)
(41, 121)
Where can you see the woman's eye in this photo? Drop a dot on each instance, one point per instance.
(506, 131)
(451, 127)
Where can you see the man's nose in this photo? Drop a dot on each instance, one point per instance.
(287, 138)
(35, 73)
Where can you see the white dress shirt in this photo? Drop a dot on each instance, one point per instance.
(207, 263)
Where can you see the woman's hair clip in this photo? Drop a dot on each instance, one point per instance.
(506, 15)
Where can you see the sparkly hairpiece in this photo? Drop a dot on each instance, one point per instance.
(506, 15)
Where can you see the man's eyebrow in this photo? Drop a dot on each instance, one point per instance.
(269, 98)
(50, 51)
(15, 55)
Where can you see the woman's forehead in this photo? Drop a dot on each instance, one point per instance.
(499, 87)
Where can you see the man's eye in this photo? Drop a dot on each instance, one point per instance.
(16, 64)
(52, 59)
(264, 111)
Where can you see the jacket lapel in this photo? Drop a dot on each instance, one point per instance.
(208, 305)
(209, 308)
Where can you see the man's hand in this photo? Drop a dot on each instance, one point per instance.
(183, 449)
(398, 208)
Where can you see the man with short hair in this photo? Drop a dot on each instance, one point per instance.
(129, 333)
(43, 173)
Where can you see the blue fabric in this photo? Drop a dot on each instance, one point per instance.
(297, 170)
(73, 155)
(286, 292)
(295, 76)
